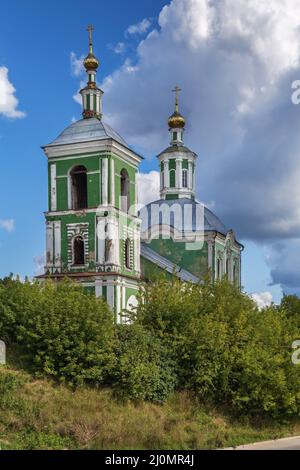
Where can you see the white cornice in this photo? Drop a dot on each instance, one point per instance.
(94, 146)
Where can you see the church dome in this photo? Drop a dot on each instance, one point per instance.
(210, 223)
(176, 121)
(91, 62)
(87, 130)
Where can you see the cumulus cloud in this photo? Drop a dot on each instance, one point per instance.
(7, 224)
(236, 62)
(148, 187)
(139, 28)
(262, 299)
(8, 100)
(118, 48)
(39, 263)
(76, 63)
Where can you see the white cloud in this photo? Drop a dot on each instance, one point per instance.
(39, 263)
(77, 68)
(148, 187)
(139, 28)
(118, 48)
(7, 224)
(8, 101)
(262, 299)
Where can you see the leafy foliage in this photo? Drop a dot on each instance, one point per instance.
(144, 369)
(66, 333)
(210, 339)
(226, 350)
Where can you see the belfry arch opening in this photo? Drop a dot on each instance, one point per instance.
(78, 247)
(127, 254)
(125, 191)
(79, 187)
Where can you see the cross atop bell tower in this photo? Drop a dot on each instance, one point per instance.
(91, 94)
(90, 30)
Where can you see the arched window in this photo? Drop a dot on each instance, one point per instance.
(78, 248)
(172, 178)
(127, 254)
(125, 193)
(79, 187)
(184, 178)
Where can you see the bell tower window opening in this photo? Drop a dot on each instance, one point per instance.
(127, 254)
(79, 187)
(78, 249)
(125, 193)
(172, 178)
(184, 178)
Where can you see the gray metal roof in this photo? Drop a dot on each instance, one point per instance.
(86, 130)
(211, 221)
(176, 148)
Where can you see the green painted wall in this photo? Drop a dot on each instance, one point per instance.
(194, 261)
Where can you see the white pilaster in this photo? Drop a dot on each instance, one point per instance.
(178, 173)
(49, 244)
(111, 296)
(101, 240)
(118, 303)
(166, 172)
(53, 186)
(57, 244)
(98, 288)
(210, 253)
(112, 181)
(111, 239)
(123, 297)
(190, 174)
(104, 180)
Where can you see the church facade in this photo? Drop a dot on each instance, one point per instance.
(94, 232)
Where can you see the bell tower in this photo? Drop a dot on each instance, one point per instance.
(92, 227)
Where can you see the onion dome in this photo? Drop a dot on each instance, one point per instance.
(176, 121)
(91, 62)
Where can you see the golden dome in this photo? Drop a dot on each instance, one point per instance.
(91, 62)
(176, 121)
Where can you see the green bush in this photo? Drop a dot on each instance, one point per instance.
(143, 369)
(226, 350)
(66, 333)
(208, 338)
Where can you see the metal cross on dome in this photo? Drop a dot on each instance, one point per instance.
(90, 30)
(176, 91)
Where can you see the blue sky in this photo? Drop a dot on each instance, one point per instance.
(232, 122)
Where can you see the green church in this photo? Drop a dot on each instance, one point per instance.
(95, 234)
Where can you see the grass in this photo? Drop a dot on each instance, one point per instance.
(39, 414)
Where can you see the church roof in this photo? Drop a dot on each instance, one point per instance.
(176, 148)
(87, 130)
(211, 221)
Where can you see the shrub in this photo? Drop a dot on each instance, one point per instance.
(226, 350)
(66, 333)
(143, 370)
